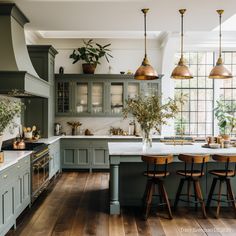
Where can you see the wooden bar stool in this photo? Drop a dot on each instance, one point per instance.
(155, 173)
(223, 176)
(193, 171)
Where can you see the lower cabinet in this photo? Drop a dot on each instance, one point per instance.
(55, 162)
(14, 193)
(81, 154)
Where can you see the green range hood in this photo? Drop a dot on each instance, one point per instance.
(16, 70)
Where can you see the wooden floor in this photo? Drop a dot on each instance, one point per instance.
(77, 205)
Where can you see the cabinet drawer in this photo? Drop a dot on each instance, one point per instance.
(24, 163)
(7, 175)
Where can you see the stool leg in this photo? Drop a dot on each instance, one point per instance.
(219, 200)
(213, 185)
(178, 193)
(189, 191)
(195, 197)
(149, 200)
(199, 196)
(146, 192)
(165, 197)
(231, 194)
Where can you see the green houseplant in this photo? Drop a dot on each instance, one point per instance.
(9, 109)
(151, 113)
(90, 53)
(224, 112)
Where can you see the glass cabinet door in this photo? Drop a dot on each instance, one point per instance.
(151, 89)
(133, 90)
(97, 97)
(63, 97)
(117, 98)
(81, 101)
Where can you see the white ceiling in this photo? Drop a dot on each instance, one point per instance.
(117, 18)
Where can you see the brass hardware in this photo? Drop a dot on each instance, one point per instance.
(181, 71)
(145, 71)
(219, 71)
(5, 176)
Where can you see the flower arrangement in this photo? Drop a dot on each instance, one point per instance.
(151, 113)
(74, 126)
(9, 109)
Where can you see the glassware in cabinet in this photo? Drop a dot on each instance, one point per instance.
(117, 98)
(97, 98)
(81, 97)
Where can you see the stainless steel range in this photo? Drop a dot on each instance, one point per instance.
(39, 166)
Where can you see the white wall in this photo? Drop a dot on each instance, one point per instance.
(127, 54)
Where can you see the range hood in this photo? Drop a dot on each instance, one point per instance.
(16, 70)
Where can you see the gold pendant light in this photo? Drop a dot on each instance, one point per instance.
(219, 71)
(145, 71)
(181, 71)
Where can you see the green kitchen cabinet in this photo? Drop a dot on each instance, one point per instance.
(55, 160)
(84, 154)
(98, 95)
(15, 193)
(22, 186)
(99, 158)
(40, 111)
(64, 96)
(87, 153)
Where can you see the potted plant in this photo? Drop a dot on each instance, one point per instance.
(224, 113)
(90, 53)
(9, 109)
(151, 113)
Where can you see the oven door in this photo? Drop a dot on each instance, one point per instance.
(40, 174)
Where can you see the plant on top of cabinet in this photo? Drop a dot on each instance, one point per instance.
(151, 113)
(91, 53)
(224, 113)
(9, 109)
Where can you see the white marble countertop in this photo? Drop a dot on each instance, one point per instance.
(131, 148)
(49, 140)
(53, 139)
(12, 157)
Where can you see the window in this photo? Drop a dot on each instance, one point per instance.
(196, 115)
(228, 86)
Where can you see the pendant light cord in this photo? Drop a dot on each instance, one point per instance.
(145, 34)
(220, 35)
(182, 34)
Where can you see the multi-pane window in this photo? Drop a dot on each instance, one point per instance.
(228, 86)
(196, 115)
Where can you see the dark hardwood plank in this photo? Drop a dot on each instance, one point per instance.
(77, 205)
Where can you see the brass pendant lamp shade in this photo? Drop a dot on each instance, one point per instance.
(181, 71)
(145, 71)
(219, 71)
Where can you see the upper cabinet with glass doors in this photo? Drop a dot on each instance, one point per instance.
(98, 95)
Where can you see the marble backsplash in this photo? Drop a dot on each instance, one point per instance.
(97, 125)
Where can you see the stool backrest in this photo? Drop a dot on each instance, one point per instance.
(191, 160)
(154, 161)
(227, 159)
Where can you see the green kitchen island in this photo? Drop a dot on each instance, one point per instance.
(127, 182)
